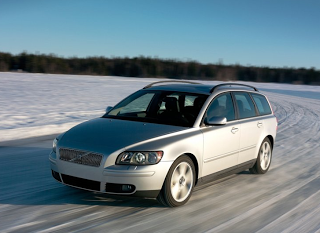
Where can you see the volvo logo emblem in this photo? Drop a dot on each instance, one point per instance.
(79, 157)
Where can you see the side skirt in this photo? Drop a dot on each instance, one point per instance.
(227, 172)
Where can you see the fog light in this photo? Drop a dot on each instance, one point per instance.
(127, 188)
(120, 188)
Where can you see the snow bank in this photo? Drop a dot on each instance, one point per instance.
(42, 104)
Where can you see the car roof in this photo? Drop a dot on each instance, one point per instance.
(190, 88)
(200, 88)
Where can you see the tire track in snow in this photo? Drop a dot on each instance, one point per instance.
(281, 200)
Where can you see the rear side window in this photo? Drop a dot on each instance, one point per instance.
(262, 104)
(245, 105)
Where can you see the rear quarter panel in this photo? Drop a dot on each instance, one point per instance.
(269, 129)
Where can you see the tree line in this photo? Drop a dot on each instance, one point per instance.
(153, 67)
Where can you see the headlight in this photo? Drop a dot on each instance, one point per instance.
(54, 145)
(139, 158)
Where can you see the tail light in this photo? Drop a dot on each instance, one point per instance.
(273, 113)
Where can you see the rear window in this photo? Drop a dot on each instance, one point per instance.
(262, 104)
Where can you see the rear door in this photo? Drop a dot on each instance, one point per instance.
(251, 126)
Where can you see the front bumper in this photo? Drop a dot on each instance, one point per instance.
(145, 181)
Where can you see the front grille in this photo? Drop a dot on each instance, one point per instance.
(81, 183)
(80, 157)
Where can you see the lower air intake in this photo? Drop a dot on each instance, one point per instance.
(81, 183)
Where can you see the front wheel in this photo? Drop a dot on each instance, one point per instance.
(179, 183)
(264, 158)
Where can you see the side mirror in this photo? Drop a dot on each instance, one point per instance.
(108, 109)
(215, 121)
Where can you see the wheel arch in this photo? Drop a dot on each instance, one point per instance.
(271, 140)
(195, 163)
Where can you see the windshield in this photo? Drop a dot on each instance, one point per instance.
(162, 107)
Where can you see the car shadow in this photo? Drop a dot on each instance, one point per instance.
(245, 173)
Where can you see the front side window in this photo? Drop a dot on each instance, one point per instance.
(245, 105)
(221, 106)
(262, 104)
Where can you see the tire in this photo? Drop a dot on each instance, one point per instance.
(179, 183)
(263, 162)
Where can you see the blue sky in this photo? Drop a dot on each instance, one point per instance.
(274, 33)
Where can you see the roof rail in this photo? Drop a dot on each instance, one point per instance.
(229, 84)
(170, 81)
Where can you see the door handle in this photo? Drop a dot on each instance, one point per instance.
(259, 124)
(234, 130)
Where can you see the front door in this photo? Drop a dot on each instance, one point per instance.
(221, 143)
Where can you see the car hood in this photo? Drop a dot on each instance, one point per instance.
(105, 135)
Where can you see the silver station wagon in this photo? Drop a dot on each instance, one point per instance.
(164, 139)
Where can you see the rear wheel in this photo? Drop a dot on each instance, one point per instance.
(264, 158)
(179, 183)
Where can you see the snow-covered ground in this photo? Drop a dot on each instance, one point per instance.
(286, 199)
(42, 104)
